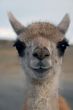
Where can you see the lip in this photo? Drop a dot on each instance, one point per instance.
(41, 70)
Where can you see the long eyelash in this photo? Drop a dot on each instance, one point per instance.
(20, 46)
(62, 46)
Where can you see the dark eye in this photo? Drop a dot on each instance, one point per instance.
(20, 46)
(62, 46)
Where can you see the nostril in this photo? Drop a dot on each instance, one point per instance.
(47, 55)
(46, 52)
(38, 56)
(35, 54)
(41, 53)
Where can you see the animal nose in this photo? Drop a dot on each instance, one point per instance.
(41, 53)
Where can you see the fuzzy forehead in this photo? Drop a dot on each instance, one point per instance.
(40, 41)
(42, 29)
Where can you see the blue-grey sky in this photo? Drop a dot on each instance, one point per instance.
(28, 11)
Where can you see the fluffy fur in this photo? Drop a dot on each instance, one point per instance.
(43, 85)
(63, 105)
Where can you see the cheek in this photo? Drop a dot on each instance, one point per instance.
(56, 60)
(28, 57)
(56, 63)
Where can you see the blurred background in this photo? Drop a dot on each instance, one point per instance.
(12, 86)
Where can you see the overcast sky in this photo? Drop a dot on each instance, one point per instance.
(28, 11)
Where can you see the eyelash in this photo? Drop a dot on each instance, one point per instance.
(20, 46)
(61, 46)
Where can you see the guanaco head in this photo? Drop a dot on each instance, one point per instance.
(41, 47)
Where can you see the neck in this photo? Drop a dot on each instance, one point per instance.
(43, 95)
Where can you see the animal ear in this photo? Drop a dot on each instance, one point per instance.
(64, 24)
(17, 26)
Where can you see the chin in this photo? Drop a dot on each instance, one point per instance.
(39, 74)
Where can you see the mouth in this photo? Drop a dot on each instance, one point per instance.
(40, 68)
(41, 72)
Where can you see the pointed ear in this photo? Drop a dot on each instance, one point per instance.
(64, 24)
(17, 26)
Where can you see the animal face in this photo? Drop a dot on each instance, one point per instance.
(40, 57)
(41, 47)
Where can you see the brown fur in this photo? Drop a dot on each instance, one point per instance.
(62, 105)
(42, 96)
(42, 29)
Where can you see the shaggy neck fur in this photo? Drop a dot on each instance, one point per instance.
(43, 95)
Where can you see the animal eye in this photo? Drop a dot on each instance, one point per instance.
(20, 46)
(61, 46)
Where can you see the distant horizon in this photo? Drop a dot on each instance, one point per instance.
(14, 39)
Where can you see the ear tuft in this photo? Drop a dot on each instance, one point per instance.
(17, 26)
(10, 16)
(64, 24)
